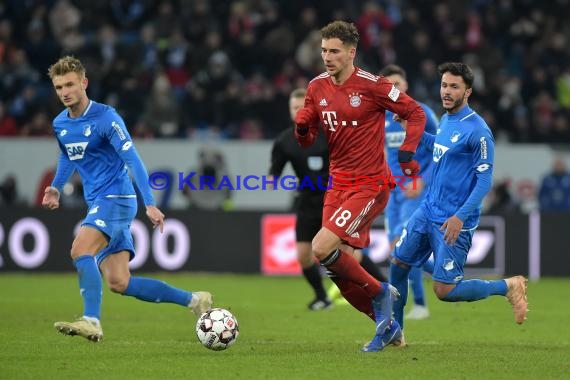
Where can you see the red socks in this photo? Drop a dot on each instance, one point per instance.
(355, 295)
(346, 267)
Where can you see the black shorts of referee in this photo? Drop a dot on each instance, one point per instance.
(308, 207)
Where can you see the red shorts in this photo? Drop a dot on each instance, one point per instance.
(349, 214)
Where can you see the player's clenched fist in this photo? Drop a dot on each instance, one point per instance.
(410, 167)
(304, 118)
(51, 198)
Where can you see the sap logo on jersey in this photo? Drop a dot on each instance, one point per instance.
(438, 151)
(76, 151)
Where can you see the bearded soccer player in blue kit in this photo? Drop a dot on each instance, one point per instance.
(463, 154)
(94, 141)
(407, 196)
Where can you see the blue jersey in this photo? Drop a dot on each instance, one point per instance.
(395, 136)
(98, 146)
(463, 155)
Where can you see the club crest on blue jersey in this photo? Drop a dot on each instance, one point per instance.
(455, 136)
(448, 264)
(355, 100)
(87, 131)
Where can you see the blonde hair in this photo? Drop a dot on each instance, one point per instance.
(67, 64)
(298, 93)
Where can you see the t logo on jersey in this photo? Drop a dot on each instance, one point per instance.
(76, 151)
(438, 151)
(329, 119)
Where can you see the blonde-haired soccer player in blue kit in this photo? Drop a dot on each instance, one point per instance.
(94, 141)
(463, 153)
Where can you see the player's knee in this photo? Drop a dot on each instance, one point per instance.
(320, 251)
(118, 284)
(77, 251)
(442, 290)
(305, 260)
(304, 255)
(81, 247)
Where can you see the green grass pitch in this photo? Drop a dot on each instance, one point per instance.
(279, 338)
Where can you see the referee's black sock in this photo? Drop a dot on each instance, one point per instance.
(313, 276)
(372, 268)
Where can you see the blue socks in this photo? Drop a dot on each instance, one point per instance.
(90, 285)
(151, 290)
(473, 290)
(428, 266)
(417, 285)
(399, 278)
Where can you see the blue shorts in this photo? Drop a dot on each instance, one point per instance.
(113, 217)
(398, 211)
(421, 237)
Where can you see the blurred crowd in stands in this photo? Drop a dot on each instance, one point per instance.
(221, 69)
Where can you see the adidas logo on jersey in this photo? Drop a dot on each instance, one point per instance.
(355, 235)
(323, 103)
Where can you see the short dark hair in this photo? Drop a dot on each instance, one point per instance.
(458, 68)
(392, 69)
(344, 31)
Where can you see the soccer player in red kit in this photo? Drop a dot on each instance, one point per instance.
(349, 104)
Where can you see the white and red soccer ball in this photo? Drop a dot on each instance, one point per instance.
(217, 329)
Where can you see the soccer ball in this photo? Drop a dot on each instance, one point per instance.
(217, 329)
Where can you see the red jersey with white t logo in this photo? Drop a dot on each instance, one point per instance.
(353, 118)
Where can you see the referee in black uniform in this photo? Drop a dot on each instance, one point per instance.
(312, 164)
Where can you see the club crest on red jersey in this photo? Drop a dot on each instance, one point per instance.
(354, 99)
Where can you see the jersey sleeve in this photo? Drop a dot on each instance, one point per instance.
(390, 98)
(432, 120)
(427, 141)
(482, 145)
(309, 138)
(425, 157)
(117, 134)
(432, 123)
(64, 170)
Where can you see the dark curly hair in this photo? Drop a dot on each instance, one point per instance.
(344, 31)
(459, 69)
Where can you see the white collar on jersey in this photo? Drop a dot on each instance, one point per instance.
(87, 109)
